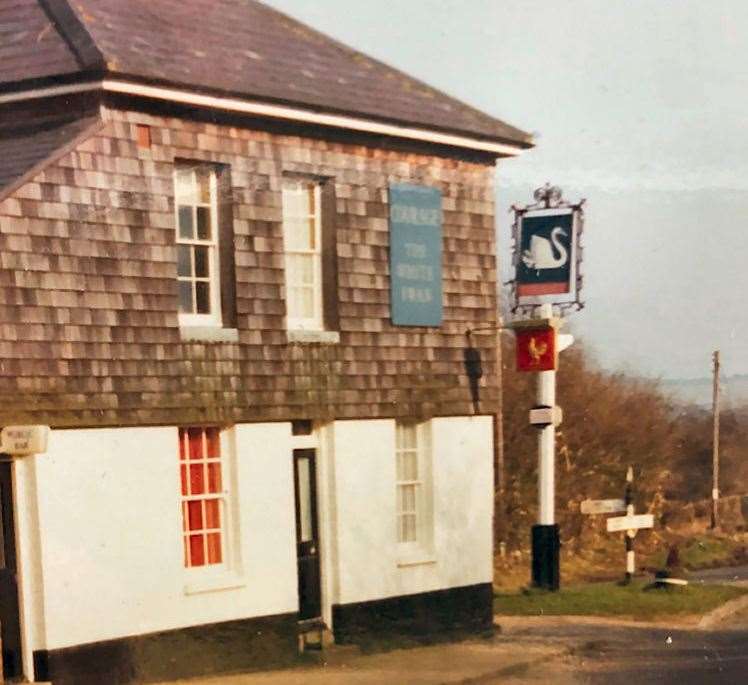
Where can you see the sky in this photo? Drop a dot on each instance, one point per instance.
(638, 106)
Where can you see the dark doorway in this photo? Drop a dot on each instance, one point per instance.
(307, 537)
(9, 618)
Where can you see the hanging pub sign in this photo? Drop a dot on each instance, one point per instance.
(415, 255)
(545, 259)
(547, 251)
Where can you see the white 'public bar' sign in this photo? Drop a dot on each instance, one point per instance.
(22, 441)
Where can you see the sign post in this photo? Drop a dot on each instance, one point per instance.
(715, 442)
(538, 346)
(629, 524)
(547, 261)
(546, 543)
(628, 498)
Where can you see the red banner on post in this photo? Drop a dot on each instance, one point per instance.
(536, 349)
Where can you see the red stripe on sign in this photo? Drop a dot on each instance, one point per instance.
(542, 288)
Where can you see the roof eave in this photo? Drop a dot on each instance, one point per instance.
(500, 147)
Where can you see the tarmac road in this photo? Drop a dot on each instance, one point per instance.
(539, 651)
(737, 575)
(544, 650)
(616, 653)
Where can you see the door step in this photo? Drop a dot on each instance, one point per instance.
(314, 636)
(334, 655)
(317, 645)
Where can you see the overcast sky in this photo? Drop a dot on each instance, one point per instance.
(640, 106)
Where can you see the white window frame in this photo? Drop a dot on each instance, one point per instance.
(214, 318)
(293, 321)
(227, 574)
(420, 549)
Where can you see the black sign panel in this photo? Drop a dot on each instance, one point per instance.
(545, 258)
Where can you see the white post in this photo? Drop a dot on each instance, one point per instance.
(546, 442)
(715, 443)
(545, 535)
(629, 534)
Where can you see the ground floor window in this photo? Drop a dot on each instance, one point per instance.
(414, 485)
(409, 482)
(203, 498)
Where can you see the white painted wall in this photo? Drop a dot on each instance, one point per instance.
(364, 494)
(110, 535)
(106, 561)
(29, 568)
(328, 519)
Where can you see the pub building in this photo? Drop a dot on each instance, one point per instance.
(238, 263)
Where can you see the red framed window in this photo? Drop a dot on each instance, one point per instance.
(203, 498)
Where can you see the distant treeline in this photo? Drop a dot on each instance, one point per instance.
(611, 421)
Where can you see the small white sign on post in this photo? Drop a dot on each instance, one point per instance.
(546, 416)
(602, 506)
(23, 441)
(621, 523)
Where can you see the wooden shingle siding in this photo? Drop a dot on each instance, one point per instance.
(88, 299)
(25, 149)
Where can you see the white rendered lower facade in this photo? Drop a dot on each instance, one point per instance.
(109, 553)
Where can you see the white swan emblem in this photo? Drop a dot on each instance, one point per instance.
(540, 255)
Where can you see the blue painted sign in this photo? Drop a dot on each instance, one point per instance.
(415, 255)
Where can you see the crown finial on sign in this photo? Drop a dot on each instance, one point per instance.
(550, 195)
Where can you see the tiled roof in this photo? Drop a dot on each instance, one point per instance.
(26, 148)
(30, 47)
(239, 47)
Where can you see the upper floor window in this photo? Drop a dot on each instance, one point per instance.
(198, 267)
(302, 235)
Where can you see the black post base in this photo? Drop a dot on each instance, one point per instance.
(546, 544)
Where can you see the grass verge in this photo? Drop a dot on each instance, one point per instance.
(610, 599)
(604, 558)
(708, 551)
